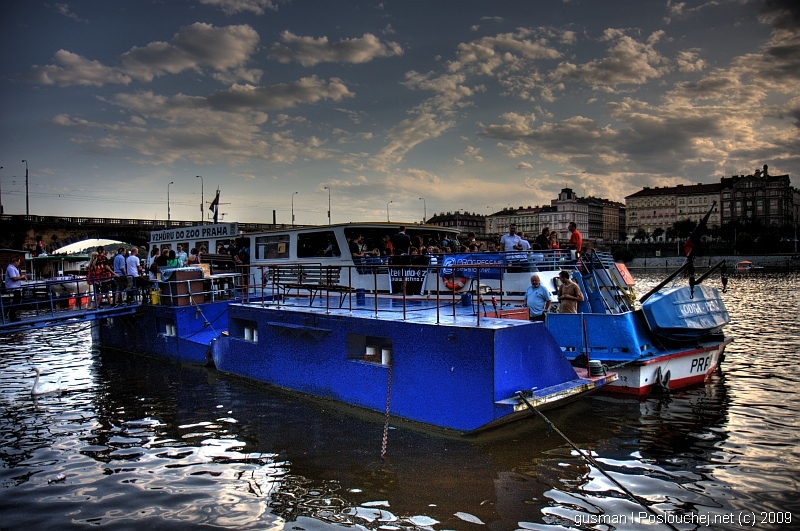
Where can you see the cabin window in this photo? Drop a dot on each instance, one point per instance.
(275, 246)
(167, 327)
(317, 244)
(251, 332)
(371, 349)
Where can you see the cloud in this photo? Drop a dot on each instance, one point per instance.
(449, 88)
(406, 135)
(232, 7)
(229, 126)
(282, 96)
(223, 49)
(490, 53)
(781, 14)
(193, 47)
(473, 153)
(72, 69)
(627, 62)
(689, 61)
(64, 9)
(309, 51)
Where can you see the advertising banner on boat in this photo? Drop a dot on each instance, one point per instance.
(411, 268)
(465, 265)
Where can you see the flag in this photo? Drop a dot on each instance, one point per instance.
(213, 206)
(697, 233)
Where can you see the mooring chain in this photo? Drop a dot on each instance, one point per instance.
(386, 422)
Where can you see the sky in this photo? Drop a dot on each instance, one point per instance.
(393, 109)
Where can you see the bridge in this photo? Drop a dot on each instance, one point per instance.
(22, 232)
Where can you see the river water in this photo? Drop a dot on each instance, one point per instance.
(137, 443)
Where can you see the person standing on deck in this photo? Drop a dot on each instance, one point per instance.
(133, 268)
(575, 238)
(569, 294)
(543, 239)
(537, 299)
(120, 272)
(14, 286)
(181, 255)
(511, 240)
(401, 242)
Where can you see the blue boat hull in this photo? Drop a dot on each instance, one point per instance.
(458, 377)
(182, 333)
(442, 372)
(685, 314)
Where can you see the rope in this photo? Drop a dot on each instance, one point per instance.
(386, 422)
(595, 464)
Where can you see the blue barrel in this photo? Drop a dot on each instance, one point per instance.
(361, 297)
(466, 300)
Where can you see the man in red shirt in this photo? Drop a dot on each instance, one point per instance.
(575, 238)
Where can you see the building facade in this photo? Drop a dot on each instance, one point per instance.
(767, 198)
(463, 221)
(660, 207)
(525, 218)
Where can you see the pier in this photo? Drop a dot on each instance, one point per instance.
(58, 302)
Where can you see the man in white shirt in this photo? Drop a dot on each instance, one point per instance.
(511, 241)
(14, 286)
(133, 269)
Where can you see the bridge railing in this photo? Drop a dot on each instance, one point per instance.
(150, 224)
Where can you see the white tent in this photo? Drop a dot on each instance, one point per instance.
(88, 246)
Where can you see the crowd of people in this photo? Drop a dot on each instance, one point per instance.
(125, 278)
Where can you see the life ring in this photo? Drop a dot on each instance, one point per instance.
(455, 283)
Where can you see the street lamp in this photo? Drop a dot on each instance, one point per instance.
(329, 202)
(387, 211)
(294, 194)
(424, 210)
(202, 201)
(27, 205)
(169, 215)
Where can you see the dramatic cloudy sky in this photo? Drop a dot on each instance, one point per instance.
(473, 105)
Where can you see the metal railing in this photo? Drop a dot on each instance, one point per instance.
(280, 285)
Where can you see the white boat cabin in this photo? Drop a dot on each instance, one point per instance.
(328, 247)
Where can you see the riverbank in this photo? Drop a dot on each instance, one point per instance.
(768, 262)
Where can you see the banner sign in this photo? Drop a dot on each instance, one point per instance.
(196, 232)
(459, 265)
(411, 268)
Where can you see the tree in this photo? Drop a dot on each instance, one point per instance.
(684, 227)
(641, 234)
(621, 254)
(658, 232)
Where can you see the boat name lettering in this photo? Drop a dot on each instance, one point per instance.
(700, 364)
(692, 308)
(206, 231)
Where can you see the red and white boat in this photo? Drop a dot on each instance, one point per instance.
(673, 339)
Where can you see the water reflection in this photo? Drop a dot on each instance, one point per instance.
(136, 442)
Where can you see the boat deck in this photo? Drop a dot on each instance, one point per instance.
(421, 310)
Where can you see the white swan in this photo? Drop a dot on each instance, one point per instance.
(43, 388)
